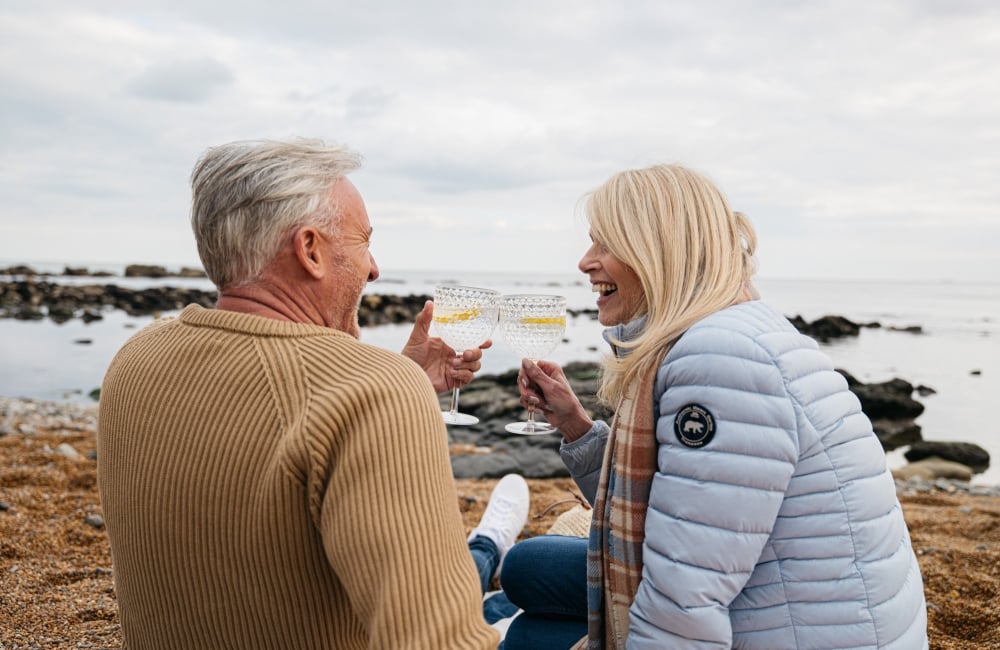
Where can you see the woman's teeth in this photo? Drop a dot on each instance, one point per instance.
(603, 288)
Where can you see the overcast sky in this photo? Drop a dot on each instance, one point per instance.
(861, 137)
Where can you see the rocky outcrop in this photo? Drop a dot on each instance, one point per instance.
(31, 299)
(34, 300)
(494, 400)
(828, 327)
(154, 271)
(969, 454)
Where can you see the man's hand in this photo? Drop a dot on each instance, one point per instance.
(443, 366)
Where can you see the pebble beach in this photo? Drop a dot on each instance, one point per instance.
(56, 579)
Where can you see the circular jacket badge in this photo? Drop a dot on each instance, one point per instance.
(694, 426)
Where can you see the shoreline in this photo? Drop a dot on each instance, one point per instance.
(55, 563)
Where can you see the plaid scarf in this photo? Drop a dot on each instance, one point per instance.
(614, 555)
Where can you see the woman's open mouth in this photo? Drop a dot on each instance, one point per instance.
(604, 288)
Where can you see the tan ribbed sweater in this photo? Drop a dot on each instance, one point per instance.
(278, 485)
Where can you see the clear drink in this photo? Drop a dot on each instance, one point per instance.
(533, 325)
(464, 318)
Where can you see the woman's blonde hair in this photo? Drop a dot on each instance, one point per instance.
(692, 253)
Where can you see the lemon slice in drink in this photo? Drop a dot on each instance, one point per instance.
(457, 316)
(549, 320)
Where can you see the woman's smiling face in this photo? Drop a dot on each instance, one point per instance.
(621, 297)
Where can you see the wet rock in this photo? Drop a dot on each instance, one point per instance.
(912, 329)
(967, 453)
(886, 400)
(826, 327)
(897, 433)
(495, 400)
(20, 269)
(145, 271)
(34, 300)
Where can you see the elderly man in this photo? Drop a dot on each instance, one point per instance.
(268, 480)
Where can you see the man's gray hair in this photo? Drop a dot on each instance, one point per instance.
(248, 196)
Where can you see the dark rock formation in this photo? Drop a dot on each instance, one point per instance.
(826, 327)
(20, 269)
(967, 453)
(495, 401)
(896, 433)
(886, 400)
(31, 299)
(384, 309)
(145, 271)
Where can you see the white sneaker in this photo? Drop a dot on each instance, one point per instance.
(506, 513)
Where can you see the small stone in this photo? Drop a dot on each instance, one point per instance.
(68, 451)
(97, 521)
(965, 510)
(4, 506)
(982, 547)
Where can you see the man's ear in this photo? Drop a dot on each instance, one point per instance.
(308, 245)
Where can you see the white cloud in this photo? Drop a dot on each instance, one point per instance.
(181, 81)
(831, 125)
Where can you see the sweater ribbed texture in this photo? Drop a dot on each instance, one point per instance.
(280, 485)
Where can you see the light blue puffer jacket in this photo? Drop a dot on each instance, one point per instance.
(783, 530)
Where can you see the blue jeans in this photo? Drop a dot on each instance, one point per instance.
(487, 558)
(546, 576)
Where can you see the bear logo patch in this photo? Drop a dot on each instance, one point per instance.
(694, 426)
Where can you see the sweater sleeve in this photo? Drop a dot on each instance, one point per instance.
(714, 499)
(390, 523)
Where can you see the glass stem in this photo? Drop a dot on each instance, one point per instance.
(454, 394)
(529, 426)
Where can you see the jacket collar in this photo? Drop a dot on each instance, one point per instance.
(624, 332)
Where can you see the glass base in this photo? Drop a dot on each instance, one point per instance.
(459, 418)
(530, 428)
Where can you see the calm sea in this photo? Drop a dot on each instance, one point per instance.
(957, 354)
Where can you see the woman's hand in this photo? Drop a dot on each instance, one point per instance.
(544, 386)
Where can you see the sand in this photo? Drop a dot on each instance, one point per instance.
(57, 591)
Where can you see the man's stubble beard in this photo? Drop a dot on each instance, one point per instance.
(345, 307)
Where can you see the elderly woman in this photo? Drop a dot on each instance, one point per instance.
(741, 498)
